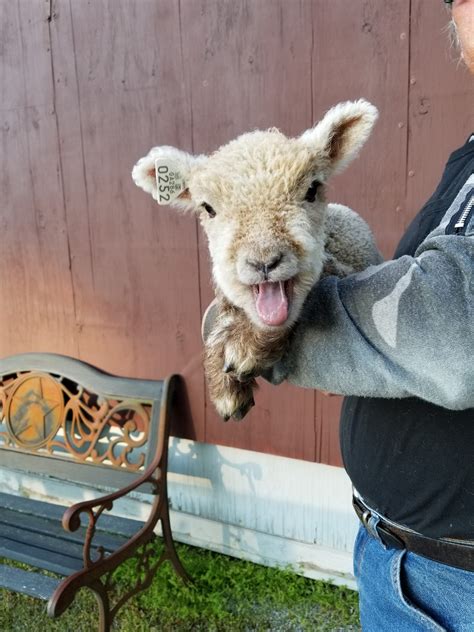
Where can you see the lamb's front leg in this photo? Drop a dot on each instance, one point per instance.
(228, 362)
(235, 353)
(230, 396)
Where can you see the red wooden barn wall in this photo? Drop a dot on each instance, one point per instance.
(91, 267)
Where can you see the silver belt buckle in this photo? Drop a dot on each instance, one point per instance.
(365, 518)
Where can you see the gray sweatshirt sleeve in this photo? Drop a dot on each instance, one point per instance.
(402, 328)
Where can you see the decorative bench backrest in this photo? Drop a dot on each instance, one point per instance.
(63, 418)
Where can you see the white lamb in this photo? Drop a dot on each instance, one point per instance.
(261, 201)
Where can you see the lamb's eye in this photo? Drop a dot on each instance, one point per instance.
(211, 212)
(311, 192)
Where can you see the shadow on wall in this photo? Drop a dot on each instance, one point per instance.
(190, 459)
(288, 498)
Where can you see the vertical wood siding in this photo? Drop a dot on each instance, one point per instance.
(92, 268)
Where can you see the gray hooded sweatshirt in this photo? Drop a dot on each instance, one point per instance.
(399, 329)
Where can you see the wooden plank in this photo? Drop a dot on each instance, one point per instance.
(32, 525)
(27, 583)
(37, 307)
(39, 558)
(441, 98)
(119, 91)
(99, 476)
(372, 63)
(126, 527)
(327, 429)
(248, 66)
(45, 545)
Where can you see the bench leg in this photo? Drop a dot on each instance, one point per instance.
(170, 548)
(105, 619)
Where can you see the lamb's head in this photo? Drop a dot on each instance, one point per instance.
(261, 202)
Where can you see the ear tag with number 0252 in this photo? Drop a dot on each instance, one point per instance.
(169, 180)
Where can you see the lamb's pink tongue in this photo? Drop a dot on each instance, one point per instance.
(272, 303)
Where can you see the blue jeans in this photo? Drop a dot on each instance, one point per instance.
(403, 592)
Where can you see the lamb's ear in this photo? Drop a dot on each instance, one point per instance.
(342, 132)
(164, 172)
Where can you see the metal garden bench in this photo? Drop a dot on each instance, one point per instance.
(63, 419)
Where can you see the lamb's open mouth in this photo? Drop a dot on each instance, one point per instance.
(272, 301)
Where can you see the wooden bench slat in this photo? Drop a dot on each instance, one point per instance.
(41, 541)
(28, 506)
(40, 558)
(66, 469)
(26, 582)
(37, 524)
(115, 525)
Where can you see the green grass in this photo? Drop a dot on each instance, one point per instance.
(228, 595)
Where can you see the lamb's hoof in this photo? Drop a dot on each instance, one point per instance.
(243, 410)
(236, 399)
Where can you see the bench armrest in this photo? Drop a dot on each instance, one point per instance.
(94, 569)
(71, 520)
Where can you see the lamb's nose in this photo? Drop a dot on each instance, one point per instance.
(266, 266)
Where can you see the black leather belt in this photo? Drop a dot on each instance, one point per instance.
(458, 553)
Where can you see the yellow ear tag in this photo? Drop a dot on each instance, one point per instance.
(169, 180)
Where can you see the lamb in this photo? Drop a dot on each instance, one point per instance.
(271, 235)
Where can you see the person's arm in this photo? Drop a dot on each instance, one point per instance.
(403, 328)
